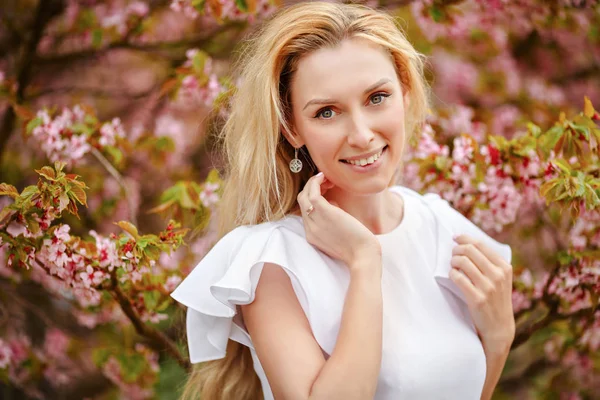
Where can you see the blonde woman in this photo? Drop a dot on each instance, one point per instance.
(329, 281)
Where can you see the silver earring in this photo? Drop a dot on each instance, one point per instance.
(296, 164)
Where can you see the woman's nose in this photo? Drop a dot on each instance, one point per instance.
(360, 133)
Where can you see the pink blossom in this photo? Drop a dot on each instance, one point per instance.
(5, 354)
(520, 301)
(56, 343)
(57, 139)
(591, 336)
(428, 147)
(138, 8)
(208, 196)
(172, 283)
(505, 120)
(110, 131)
(463, 149)
(456, 79)
(543, 92)
(185, 7)
(15, 229)
(108, 256)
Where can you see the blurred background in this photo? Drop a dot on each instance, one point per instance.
(126, 97)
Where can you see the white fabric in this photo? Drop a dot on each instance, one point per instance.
(430, 346)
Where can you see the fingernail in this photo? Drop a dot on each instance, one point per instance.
(319, 174)
(454, 237)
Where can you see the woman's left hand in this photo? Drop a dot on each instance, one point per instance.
(488, 291)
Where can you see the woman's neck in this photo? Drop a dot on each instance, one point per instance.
(379, 212)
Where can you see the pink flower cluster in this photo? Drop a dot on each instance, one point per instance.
(17, 355)
(586, 230)
(229, 10)
(191, 93)
(140, 389)
(120, 18)
(208, 196)
(493, 199)
(56, 138)
(5, 354)
(60, 141)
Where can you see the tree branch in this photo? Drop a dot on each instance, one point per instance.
(112, 170)
(524, 335)
(197, 41)
(45, 11)
(158, 340)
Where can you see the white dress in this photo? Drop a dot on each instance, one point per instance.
(430, 346)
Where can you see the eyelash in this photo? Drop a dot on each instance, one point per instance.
(383, 94)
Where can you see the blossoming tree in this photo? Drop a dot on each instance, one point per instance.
(104, 135)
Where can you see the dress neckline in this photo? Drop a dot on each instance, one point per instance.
(397, 190)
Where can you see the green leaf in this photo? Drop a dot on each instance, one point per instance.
(79, 195)
(29, 192)
(97, 38)
(151, 298)
(115, 154)
(100, 356)
(152, 252)
(47, 173)
(241, 5)
(199, 62)
(199, 5)
(563, 165)
(436, 13)
(34, 123)
(552, 136)
(129, 228)
(535, 130)
(588, 108)
(8, 190)
(132, 366)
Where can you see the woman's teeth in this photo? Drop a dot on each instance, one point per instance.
(365, 161)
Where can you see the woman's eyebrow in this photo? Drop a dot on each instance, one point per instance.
(380, 82)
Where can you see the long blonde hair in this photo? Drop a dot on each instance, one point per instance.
(259, 185)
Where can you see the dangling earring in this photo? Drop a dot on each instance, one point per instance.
(296, 164)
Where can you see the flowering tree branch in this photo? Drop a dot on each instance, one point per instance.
(158, 340)
(44, 12)
(524, 335)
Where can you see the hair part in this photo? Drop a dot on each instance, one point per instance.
(257, 154)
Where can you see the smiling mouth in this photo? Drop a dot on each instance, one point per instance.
(365, 161)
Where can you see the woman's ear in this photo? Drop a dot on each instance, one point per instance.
(406, 97)
(293, 138)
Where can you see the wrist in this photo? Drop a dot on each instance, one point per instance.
(367, 254)
(365, 265)
(499, 348)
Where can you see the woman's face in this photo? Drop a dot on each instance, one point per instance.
(348, 109)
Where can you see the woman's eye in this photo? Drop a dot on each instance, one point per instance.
(326, 113)
(378, 98)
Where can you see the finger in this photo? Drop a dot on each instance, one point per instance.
(494, 257)
(326, 185)
(472, 272)
(303, 202)
(466, 286)
(313, 191)
(478, 258)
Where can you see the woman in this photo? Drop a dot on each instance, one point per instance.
(337, 284)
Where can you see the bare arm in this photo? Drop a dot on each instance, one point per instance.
(495, 361)
(290, 355)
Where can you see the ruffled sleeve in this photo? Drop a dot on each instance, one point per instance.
(226, 277)
(449, 223)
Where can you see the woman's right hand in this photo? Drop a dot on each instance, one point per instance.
(331, 229)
